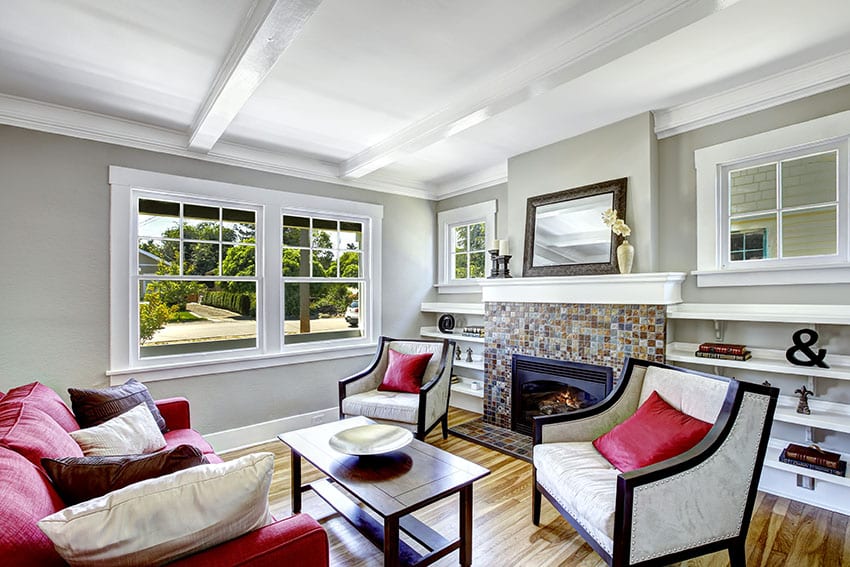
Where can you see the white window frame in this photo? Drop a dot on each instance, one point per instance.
(127, 184)
(446, 221)
(712, 166)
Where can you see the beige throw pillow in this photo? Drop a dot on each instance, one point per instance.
(159, 520)
(131, 433)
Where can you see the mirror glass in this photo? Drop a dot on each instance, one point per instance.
(565, 234)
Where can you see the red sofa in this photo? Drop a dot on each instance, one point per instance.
(34, 423)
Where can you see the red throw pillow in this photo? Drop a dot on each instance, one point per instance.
(657, 431)
(404, 372)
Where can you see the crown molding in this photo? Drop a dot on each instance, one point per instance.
(480, 179)
(56, 119)
(615, 30)
(793, 84)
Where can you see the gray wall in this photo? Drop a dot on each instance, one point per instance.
(54, 288)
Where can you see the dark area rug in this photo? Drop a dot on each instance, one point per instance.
(494, 437)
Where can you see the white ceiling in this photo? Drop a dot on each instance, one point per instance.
(420, 97)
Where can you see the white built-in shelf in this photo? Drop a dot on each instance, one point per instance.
(459, 308)
(830, 416)
(434, 332)
(771, 459)
(465, 387)
(474, 365)
(764, 313)
(763, 360)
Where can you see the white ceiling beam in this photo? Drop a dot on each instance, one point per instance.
(614, 30)
(269, 29)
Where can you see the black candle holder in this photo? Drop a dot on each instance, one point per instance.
(499, 267)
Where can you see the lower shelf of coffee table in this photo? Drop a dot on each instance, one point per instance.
(373, 530)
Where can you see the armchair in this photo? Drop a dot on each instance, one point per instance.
(695, 503)
(419, 413)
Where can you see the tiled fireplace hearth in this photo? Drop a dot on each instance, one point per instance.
(591, 319)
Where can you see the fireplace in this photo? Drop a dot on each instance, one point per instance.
(543, 386)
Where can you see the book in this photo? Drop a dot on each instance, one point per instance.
(720, 356)
(721, 348)
(813, 454)
(840, 471)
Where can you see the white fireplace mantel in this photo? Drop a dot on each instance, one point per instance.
(663, 288)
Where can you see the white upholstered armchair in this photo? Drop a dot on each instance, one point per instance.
(695, 503)
(420, 413)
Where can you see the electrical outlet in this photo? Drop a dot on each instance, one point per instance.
(317, 419)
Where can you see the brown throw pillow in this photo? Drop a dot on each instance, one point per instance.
(77, 479)
(93, 407)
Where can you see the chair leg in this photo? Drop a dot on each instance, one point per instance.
(536, 498)
(444, 422)
(738, 553)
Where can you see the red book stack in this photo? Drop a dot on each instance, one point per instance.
(723, 351)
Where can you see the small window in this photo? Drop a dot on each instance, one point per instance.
(462, 246)
(784, 209)
(197, 278)
(322, 269)
(468, 254)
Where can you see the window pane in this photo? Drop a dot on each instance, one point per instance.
(201, 223)
(476, 265)
(810, 233)
(809, 180)
(321, 312)
(324, 264)
(476, 237)
(183, 317)
(156, 251)
(159, 218)
(238, 260)
(460, 238)
(349, 265)
(296, 231)
(200, 259)
(460, 266)
(296, 262)
(350, 236)
(753, 238)
(325, 233)
(752, 189)
(238, 226)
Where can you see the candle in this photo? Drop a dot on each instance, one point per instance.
(494, 245)
(503, 248)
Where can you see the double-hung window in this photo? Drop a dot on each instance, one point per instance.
(774, 208)
(210, 277)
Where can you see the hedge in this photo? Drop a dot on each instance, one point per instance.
(242, 303)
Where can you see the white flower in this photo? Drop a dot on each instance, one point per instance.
(617, 225)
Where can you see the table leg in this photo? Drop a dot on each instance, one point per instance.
(295, 480)
(465, 514)
(391, 541)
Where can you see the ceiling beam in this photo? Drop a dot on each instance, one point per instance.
(604, 30)
(269, 29)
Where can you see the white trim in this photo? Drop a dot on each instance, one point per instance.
(710, 163)
(125, 183)
(267, 431)
(663, 288)
(479, 212)
(794, 84)
(473, 182)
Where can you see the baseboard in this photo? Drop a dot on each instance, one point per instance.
(249, 435)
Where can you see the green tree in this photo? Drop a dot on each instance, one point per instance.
(239, 261)
(153, 314)
(173, 293)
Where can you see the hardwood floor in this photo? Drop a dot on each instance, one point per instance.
(782, 532)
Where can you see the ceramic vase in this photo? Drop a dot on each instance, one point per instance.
(625, 257)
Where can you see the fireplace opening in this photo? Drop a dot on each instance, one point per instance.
(544, 386)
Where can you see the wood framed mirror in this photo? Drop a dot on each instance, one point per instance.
(564, 232)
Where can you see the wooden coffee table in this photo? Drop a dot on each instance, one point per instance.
(392, 485)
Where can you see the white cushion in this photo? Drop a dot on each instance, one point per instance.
(581, 480)
(133, 432)
(386, 406)
(162, 519)
(698, 396)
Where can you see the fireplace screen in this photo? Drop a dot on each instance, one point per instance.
(542, 386)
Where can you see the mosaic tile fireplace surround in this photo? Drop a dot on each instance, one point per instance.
(581, 332)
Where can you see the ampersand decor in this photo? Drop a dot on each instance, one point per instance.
(803, 347)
